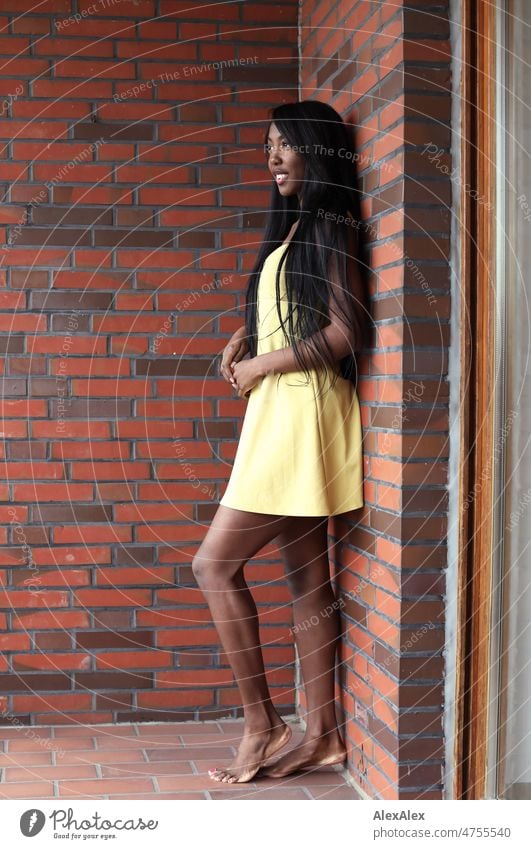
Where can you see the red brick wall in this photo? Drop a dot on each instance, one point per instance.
(130, 215)
(387, 69)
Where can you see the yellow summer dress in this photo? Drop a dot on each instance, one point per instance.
(300, 446)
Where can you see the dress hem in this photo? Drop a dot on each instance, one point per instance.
(290, 513)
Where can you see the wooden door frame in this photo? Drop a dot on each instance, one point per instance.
(477, 335)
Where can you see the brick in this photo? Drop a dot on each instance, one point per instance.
(33, 682)
(111, 639)
(134, 660)
(112, 598)
(178, 698)
(44, 620)
(114, 680)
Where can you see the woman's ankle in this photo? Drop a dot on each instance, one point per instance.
(261, 720)
(323, 732)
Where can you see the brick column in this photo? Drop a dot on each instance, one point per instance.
(386, 68)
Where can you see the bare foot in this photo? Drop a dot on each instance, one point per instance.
(312, 752)
(255, 748)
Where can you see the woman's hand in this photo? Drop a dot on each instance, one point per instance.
(245, 375)
(233, 352)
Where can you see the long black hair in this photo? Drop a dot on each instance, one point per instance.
(329, 231)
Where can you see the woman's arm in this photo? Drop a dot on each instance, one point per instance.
(236, 348)
(337, 333)
(241, 331)
(283, 360)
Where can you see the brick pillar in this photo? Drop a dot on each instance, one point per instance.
(386, 68)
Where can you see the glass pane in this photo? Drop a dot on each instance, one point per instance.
(514, 439)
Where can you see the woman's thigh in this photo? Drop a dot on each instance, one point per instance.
(234, 536)
(304, 549)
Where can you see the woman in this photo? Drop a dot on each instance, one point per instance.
(299, 457)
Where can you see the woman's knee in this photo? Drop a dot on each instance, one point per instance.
(210, 573)
(202, 569)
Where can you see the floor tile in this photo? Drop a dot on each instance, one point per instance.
(162, 796)
(344, 792)
(138, 769)
(26, 790)
(190, 753)
(104, 785)
(51, 773)
(99, 756)
(100, 730)
(209, 740)
(60, 745)
(25, 758)
(103, 743)
(189, 782)
(295, 795)
(7, 732)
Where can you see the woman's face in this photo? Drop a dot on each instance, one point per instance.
(285, 163)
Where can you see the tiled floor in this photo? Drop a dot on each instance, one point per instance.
(144, 761)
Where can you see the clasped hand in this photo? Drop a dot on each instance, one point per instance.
(241, 374)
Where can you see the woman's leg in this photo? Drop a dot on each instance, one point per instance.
(233, 537)
(304, 546)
